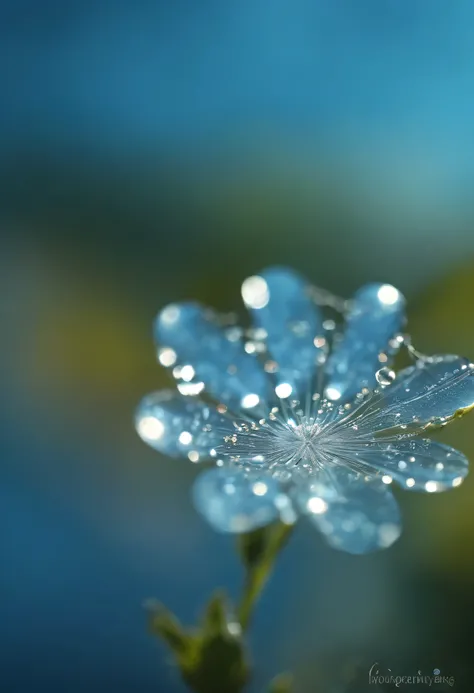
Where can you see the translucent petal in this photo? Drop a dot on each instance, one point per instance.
(211, 355)
(180, 426)
(355, 515)
(424, 395)
(234, 501)
(280, 304)
(417, 464)
(376, 315)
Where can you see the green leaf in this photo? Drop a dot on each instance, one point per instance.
(165, 625)
(216, 615)
(217, 664)
(211, 659)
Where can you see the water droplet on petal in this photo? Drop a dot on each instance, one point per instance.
(150, 428)
(185, 438)
(255, 292)
(333, 393)
(283, 390)
(329, 325)
(167, 357)
(249, 401)
(385, 376)
(316, 505)
(388, 295)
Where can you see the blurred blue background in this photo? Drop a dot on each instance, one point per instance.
(154, 151)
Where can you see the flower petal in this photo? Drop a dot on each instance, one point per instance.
(280, 304)
(234, 501)
(417, 464)
(355, 515)
(213, 356)
(376, 315)
(180, 426)
(429, 394)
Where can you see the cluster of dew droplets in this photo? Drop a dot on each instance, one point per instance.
(294, 434)
(314, 437)
(286, 433)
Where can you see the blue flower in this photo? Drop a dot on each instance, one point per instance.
(301, 417)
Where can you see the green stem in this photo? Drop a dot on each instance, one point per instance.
(258, 575)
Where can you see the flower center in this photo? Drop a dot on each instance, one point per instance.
(277, 444)
(307, 444)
